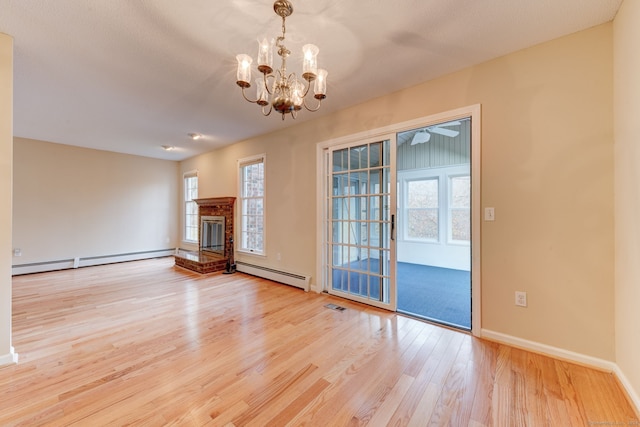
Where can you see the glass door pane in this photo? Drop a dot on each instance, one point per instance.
(360, 222)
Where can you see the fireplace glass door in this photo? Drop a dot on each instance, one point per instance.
(212, 232)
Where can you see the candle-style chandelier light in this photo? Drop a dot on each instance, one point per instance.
(278, 90)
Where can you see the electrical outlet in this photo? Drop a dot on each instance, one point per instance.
(521, 299)
(17, 252)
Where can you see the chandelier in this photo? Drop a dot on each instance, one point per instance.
(280, 91)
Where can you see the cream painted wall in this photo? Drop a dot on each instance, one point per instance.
(626, 31)
(76, 202)
(6, 164)
(547, 168)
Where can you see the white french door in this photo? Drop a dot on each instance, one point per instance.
(361, 222)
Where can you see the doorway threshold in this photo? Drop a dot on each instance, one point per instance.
(438, 322)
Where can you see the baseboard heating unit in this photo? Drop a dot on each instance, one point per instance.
(64, 264)
(293, 279)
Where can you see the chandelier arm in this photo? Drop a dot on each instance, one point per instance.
(304, 102)
(245, 97)
(266, 82)
(268, 112)
(306, 91)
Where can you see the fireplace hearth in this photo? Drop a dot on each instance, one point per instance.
(215, 245)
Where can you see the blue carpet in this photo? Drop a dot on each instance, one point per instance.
(438, 294)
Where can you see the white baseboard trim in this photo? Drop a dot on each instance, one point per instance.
(9, 359)
(556, 352)
(569, 356)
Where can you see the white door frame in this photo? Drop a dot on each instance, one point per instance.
(473, 111)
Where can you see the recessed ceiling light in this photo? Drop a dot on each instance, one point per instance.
(195, 136)
(168, 147)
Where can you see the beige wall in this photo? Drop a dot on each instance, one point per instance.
(627, 191)
(547, 168)
(77, 202)
(6, 162)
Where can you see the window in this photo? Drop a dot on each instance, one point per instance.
(435, 205)
(252, 198)
(460, 208)
(190, 207)
(422, 209)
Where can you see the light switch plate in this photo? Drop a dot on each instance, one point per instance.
(521, 299)
(489, 214)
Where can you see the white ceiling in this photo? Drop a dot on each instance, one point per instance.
(132, 75)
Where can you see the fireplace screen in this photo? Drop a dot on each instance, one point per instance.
(212, 234)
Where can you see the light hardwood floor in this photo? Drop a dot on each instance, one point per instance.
(146, 343)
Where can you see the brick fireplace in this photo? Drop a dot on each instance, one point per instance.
(205, 261)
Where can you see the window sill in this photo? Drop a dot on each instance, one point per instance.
(459, 243)
(246, 252)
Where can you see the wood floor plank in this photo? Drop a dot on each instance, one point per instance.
(298, 404)
(421, 368)
(483, 367)
(385, 411)
(573, 403)
(146, 343)
(426, 405)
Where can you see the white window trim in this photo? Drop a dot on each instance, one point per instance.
(183, 210)
(238, 230)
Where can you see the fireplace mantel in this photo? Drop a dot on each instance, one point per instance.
(215, 201)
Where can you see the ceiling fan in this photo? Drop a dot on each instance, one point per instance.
(424, 135)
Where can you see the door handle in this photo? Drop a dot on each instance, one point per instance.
(393, 226)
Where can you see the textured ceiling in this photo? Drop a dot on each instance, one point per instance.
(132, 75)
